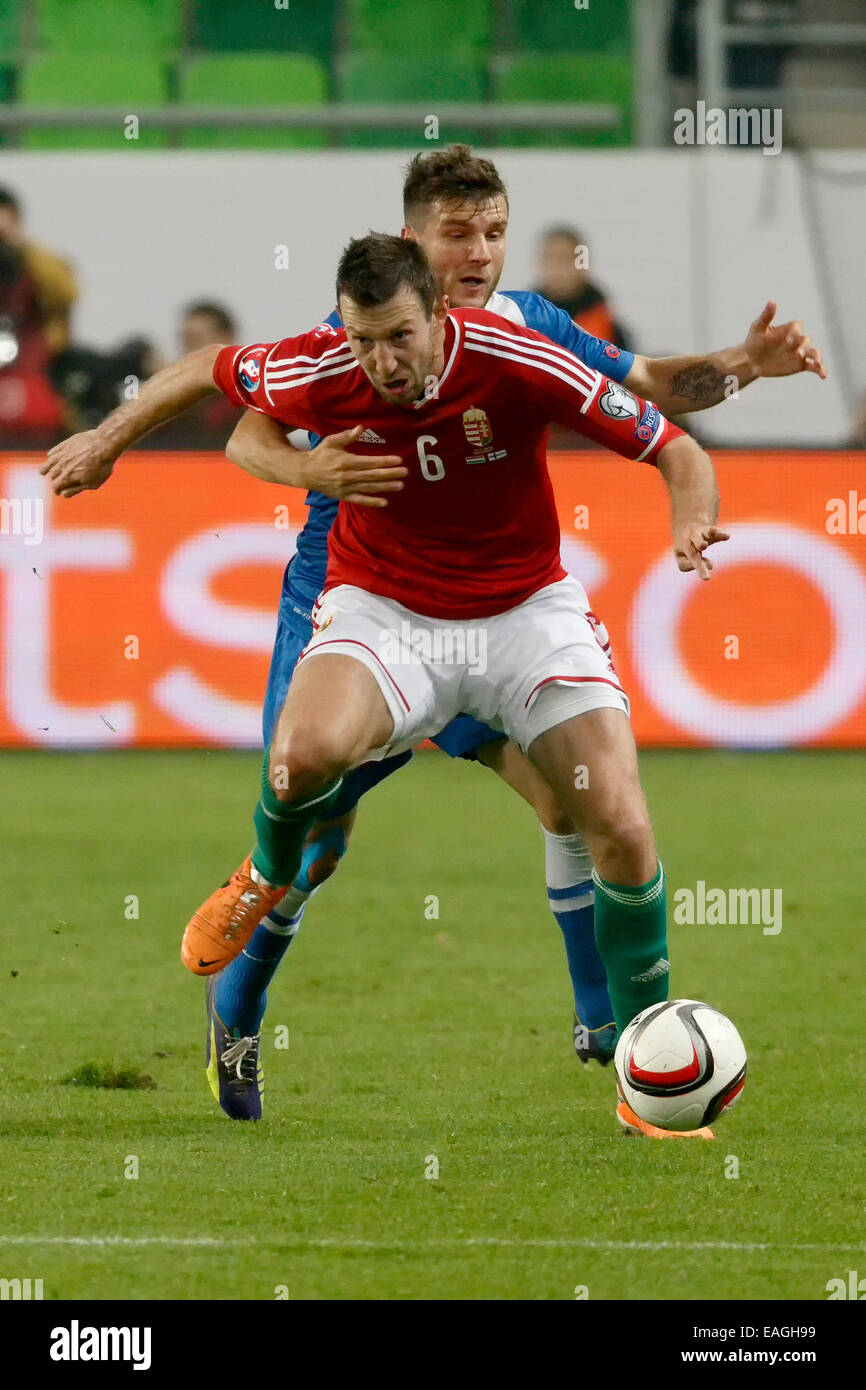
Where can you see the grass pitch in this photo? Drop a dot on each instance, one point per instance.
(413, 1039)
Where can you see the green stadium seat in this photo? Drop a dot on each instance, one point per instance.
(431, 78)
(412, 27)
(589, 78)
(7, 95)
(11, 12)
(98, 79)
(556, 26)
(250, 80)
(242, 26)
(139, 27)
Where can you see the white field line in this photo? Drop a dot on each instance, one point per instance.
(477, 1242)
(213, 1242)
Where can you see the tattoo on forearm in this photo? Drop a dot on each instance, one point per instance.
(700, 383)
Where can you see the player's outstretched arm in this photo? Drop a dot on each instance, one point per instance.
(605, 412)
(694, 493)
(259, 446)
(678, 385)
(86, 460)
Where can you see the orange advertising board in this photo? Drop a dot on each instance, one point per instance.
(143, 614)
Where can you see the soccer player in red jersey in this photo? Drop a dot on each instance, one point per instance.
(454, 597)
(456, 206)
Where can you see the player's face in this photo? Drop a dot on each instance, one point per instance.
(465, 245)
(198, 331)
(560, 278)
(10, 225)
(397, 344)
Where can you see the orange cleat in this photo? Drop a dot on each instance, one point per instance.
(223, 925)
(633, 1124)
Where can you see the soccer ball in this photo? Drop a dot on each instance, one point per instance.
(680, 1064)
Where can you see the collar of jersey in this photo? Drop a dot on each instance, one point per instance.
(423, 400)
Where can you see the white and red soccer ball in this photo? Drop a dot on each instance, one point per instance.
(680, 1064)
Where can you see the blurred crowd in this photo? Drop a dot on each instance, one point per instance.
(51, 385)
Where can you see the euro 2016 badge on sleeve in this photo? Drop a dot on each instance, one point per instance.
(250, 369)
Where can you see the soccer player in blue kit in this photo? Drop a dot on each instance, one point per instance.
(456, 206)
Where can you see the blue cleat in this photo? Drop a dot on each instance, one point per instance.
(594, 1044)
(233, 1070)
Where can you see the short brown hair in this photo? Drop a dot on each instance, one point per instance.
(455, 173)
(373, 268)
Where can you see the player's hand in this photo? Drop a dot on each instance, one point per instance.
(330, 468)
(79, 463)
(691, 541)
(781, 349)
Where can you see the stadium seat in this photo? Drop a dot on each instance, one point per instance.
(100, 79)
(250, 80)
(306, 26)
(591, 78)
(411, 27)
(430, 78)
(139, 27)
(10, 28)
(7, 94)
(556, 26)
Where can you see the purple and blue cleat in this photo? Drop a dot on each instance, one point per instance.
(594, 1044)
(233, 1070)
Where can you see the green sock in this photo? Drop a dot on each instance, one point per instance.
(631, 935)
(281, 827)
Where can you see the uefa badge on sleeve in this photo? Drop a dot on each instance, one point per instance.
(618, 403)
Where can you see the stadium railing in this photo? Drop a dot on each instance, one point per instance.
(716, 36)
(603, 116)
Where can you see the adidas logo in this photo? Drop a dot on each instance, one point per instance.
(370, 437)
(661, 967)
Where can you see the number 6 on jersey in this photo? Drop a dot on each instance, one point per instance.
(432, 467)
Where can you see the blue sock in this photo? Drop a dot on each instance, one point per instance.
(571, 895)
(241, 992)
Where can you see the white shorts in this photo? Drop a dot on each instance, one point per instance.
(522, 671)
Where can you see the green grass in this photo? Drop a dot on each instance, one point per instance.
(411, 1037)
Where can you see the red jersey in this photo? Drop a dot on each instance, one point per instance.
(474, 530)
